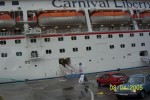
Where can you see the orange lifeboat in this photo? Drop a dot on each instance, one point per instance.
(61, 18)
(7, 21)
(145, 17)
(107, 17)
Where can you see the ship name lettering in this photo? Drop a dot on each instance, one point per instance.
(80, 3)
(131, 4)
(100, 3)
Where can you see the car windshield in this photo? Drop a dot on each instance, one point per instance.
(138, 80)
(118, 75)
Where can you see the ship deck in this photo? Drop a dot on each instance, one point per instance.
(61, 89)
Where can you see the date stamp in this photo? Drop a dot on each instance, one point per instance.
(126, 87)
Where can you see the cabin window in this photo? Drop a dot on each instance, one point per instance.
(143, 53)
(2, 3)
(122, 45)
(48, 51)
(73, 38)
(143, 44)
(15, 2)
(87, 37)
(2, 42)
(60, 39)
(110, 36)
(62, 50)
(18, 53)
(111, 46)
(3, 55)
(47, 39)
(88, 48)
(34, 54)
(131, 35)
(33, 40)
(120, 35)
(17, 41)
(99, 37)
(141, 34)
(75, 49)
(133, 44)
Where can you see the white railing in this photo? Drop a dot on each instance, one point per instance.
(71, 30)
(65, 69)
(103, 29)
(69, 70)
(33, 31)
(3, 34)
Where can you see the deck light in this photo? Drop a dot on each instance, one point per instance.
(56, 26)
(80, 26)
(17, 28)
(112, 25)
(68, 26)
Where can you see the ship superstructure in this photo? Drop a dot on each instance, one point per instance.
(52, 38)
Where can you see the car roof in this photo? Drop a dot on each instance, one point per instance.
(139, 75)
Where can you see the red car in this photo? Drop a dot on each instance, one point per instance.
(112, 78)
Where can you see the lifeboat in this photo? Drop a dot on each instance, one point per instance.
(107, 17)
(7, 21)
(61, 18)
(145, 17)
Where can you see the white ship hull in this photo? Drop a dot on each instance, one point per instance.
(93, 49)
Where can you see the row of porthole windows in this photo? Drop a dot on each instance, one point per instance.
(5, 54)
(141, 53)
(74, 50)
(123, 45)
(47, 52)
(2, 3)
(3, 42)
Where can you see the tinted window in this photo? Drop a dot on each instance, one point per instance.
(106, 76)
(2, 3)
(118, 75)
(138, 80)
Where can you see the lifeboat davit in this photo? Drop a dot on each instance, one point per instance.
(145, 17)
(101, 17)
(7, 21)
(61, 18)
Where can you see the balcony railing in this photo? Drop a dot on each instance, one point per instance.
(72, 30)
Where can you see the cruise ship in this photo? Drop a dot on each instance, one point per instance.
(42, 39)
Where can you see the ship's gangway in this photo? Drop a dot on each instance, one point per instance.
(70, 71)
(146, 59)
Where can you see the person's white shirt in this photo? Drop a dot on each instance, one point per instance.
(81, 79)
